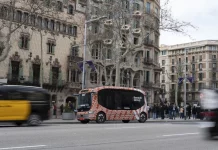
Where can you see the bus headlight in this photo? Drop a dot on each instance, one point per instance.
(91, 112)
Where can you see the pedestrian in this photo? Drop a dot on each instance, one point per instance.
(189, 111)
(154, 111)
(174, 112)
(181, 112)
(54, 110)
(62, 108)
(194, 112)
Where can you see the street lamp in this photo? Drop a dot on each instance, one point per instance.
(84, 51)
(185, 85)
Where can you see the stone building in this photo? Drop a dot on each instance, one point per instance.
(44, 45)
(201, 64)
(130, 25)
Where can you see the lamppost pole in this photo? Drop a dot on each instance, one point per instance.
(84, 50)
(185, 86)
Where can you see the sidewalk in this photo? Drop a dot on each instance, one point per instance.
(177, 120)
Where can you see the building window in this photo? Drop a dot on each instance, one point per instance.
(136, 80)
(148, 7)
(75, 51)
(25, 17)
(51, 47)
(136, 23)
(55, 75)
(147, 80)
(64, 27)
(136, 6)
(58, 26)
(173, 62)
(214, 57)
(70, 9)
(46, 23)
(173, 69)
(163, 70)
(4, 12)
(19, 16)
(70, 30)
(156, 10)
(96, 50)
(200, 76)
(136, 40)
(59, 6)
(200, 67)
(109, 54)
(200, 58)
(193, 67)
(214, 66)
(15, 66)
(163, 62)
(95, 28)
(39, 22)
(52, 25)
(24, 42)
(93, 77)
(36, 74)
(163, 52)
(74, 31)
(33, 20)
(75, 76)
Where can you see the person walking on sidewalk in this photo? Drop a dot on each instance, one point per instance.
(189, 111)
(154, 111)
(181, 112)
(194, 111)
(174, 112)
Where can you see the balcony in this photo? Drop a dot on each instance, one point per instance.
(83, 2)
(148, 42)
(74, 59)
(157, 67)
(74, 85)
(147, 84)
(147, 61)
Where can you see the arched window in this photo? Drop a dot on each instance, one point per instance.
(70, 9)
(138, 59)
(96, 49)
(93, 77)
(136, 80)
(59, 6)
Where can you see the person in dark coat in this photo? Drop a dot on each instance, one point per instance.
(189, 111)
(62, 108)
(194, 112)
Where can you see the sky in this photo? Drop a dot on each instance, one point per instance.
(201, 13)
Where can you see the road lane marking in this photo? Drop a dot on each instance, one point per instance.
(183, 134)
(22, 147)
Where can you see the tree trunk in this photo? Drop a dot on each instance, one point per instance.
(117, 78)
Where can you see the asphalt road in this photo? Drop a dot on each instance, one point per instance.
(108, 136)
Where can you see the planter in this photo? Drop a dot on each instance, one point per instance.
(68, 116)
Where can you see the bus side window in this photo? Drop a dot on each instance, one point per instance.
(2, 95)
(15, 95)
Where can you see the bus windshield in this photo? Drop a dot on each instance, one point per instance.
(85, 102)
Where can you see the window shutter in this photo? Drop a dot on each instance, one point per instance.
(53, 49)
(28, 43)
(20, 42)
(60, 78)
(31, 73)
(10, 71)
(20, 72)
(50, 76)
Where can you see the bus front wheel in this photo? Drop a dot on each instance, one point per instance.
(101, 117)
(143, 118)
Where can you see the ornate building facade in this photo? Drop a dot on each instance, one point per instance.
(127, 36)
(40, 44)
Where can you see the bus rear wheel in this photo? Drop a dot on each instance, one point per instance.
(34, 120)
(125, 121)
(143, 118)
(101, 117)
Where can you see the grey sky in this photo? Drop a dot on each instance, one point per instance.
(202, 13)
